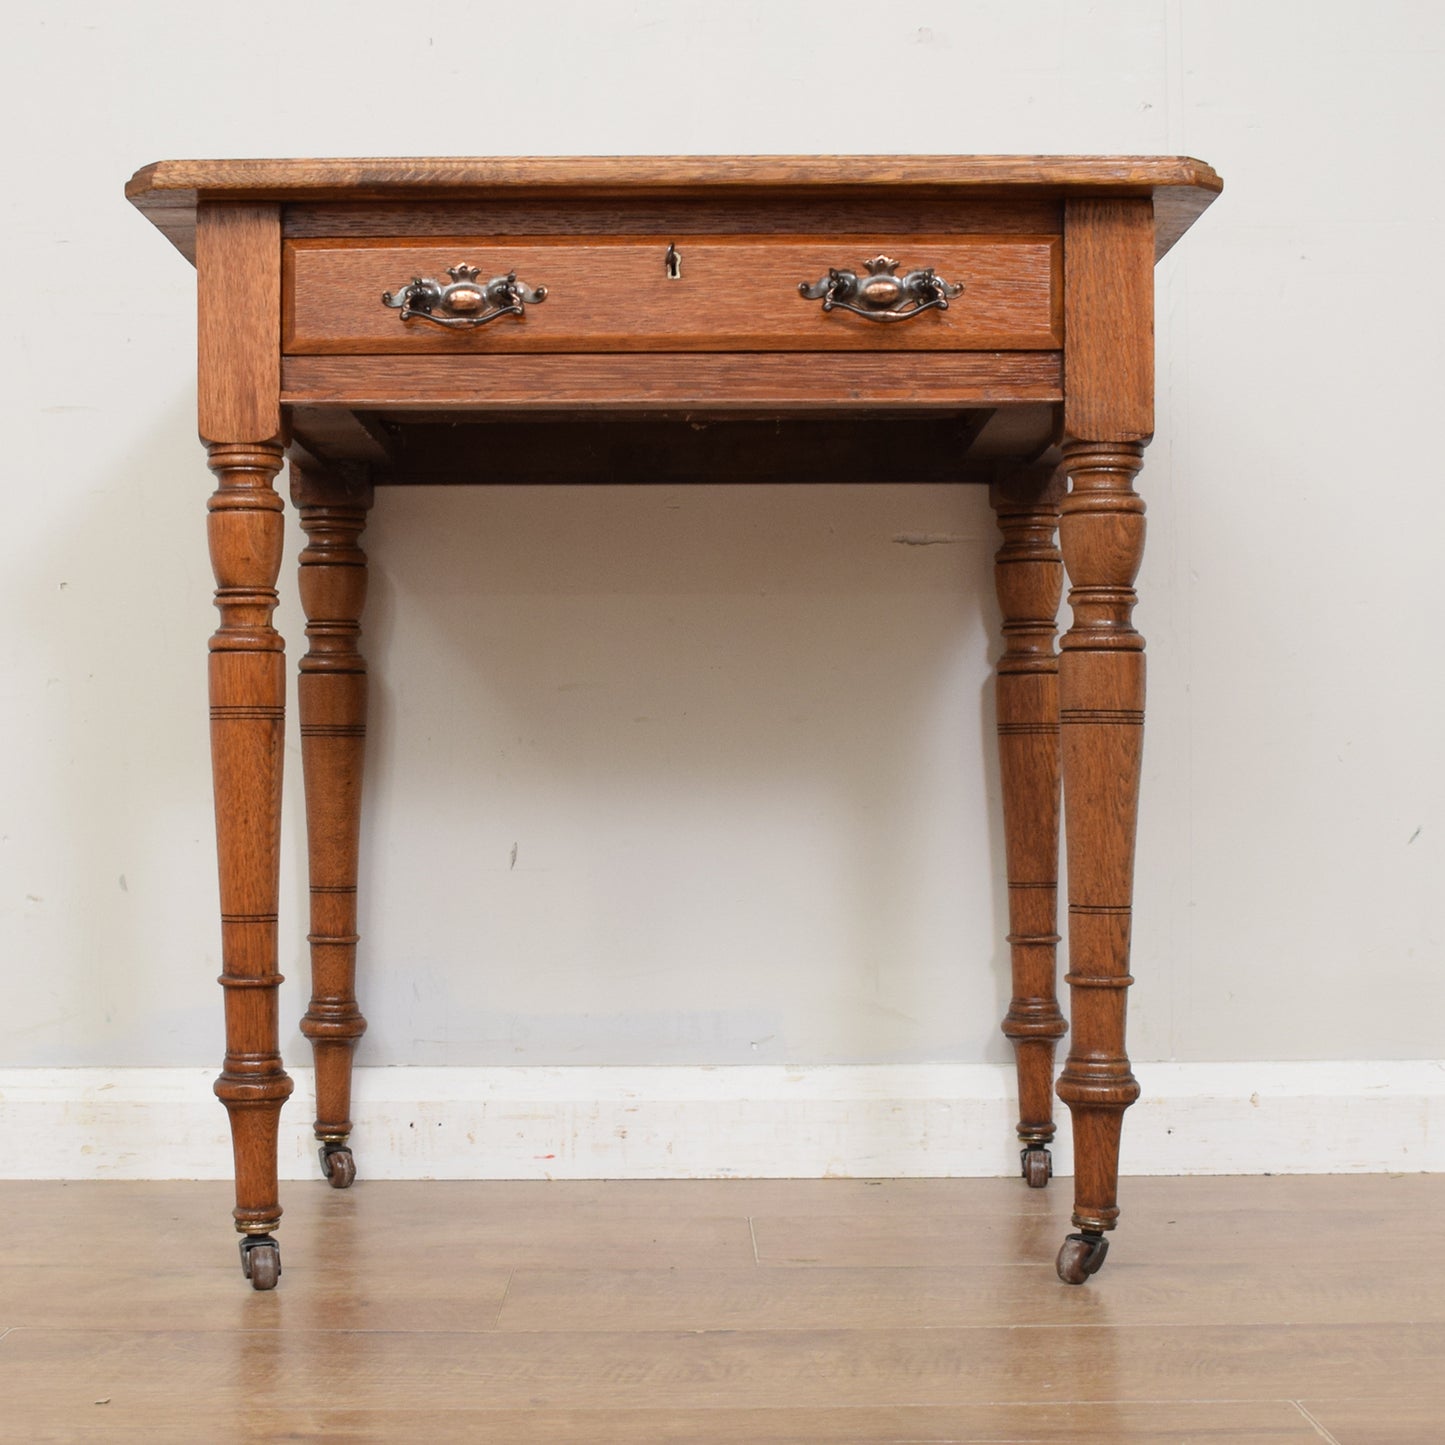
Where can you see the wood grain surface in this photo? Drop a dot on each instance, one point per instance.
(546, 450)
(238, 322)
(641, 1312)
(864, 216)
(331, 696)
(168, 191)
(1109, 321)
(1028, 578)
(731, 295)
(247, 685)
(729, 337)
(703, 382)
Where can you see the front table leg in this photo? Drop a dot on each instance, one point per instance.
(1101, 693)
(332, 695)
(248, 692)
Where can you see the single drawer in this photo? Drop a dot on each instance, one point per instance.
(729, 294)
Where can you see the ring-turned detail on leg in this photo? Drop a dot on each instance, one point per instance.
(1028, 575)
(1101, 695)
(332, 695)
(247, 693)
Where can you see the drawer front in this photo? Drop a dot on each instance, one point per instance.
(606, 294)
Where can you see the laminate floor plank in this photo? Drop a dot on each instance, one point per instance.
(866, 1297)
(1342, 1239)
(758, 1369)
(1287, 1193)
(1159, 1423)
(474, 1226)
(763, 1312)
(359, 1295)
(1380, 1421)
(405, 1298)
(400, 1297)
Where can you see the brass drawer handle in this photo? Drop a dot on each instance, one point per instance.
(881, 294)
(465, 302)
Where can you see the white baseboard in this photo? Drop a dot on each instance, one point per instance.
(758, 1121)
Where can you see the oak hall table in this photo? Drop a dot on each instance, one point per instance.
(984, 319)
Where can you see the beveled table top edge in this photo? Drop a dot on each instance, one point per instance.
(288, 178)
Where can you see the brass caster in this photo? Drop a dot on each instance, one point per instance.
(1038, 1166)
(1081, 1256)
(260, 1260)
(338, 1167)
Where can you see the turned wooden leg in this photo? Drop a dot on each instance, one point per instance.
(332, 694)
(1101, 687)
(1028, 575)
(248, 691)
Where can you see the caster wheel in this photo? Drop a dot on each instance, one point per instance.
(1081, 1256)
(338, 1167)
(1038, 1166)
(261, 1260)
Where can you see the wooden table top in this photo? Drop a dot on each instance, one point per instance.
(168, 192)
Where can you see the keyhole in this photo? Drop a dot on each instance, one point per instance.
(673, 261)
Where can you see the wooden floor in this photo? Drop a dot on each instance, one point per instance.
(752, 1312)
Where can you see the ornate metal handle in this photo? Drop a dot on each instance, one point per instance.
(881, 294)
(466, 302)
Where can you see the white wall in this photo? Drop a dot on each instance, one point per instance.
(737, 737)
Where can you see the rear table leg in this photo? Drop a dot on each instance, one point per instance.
(332, 696)
(1028, 574)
